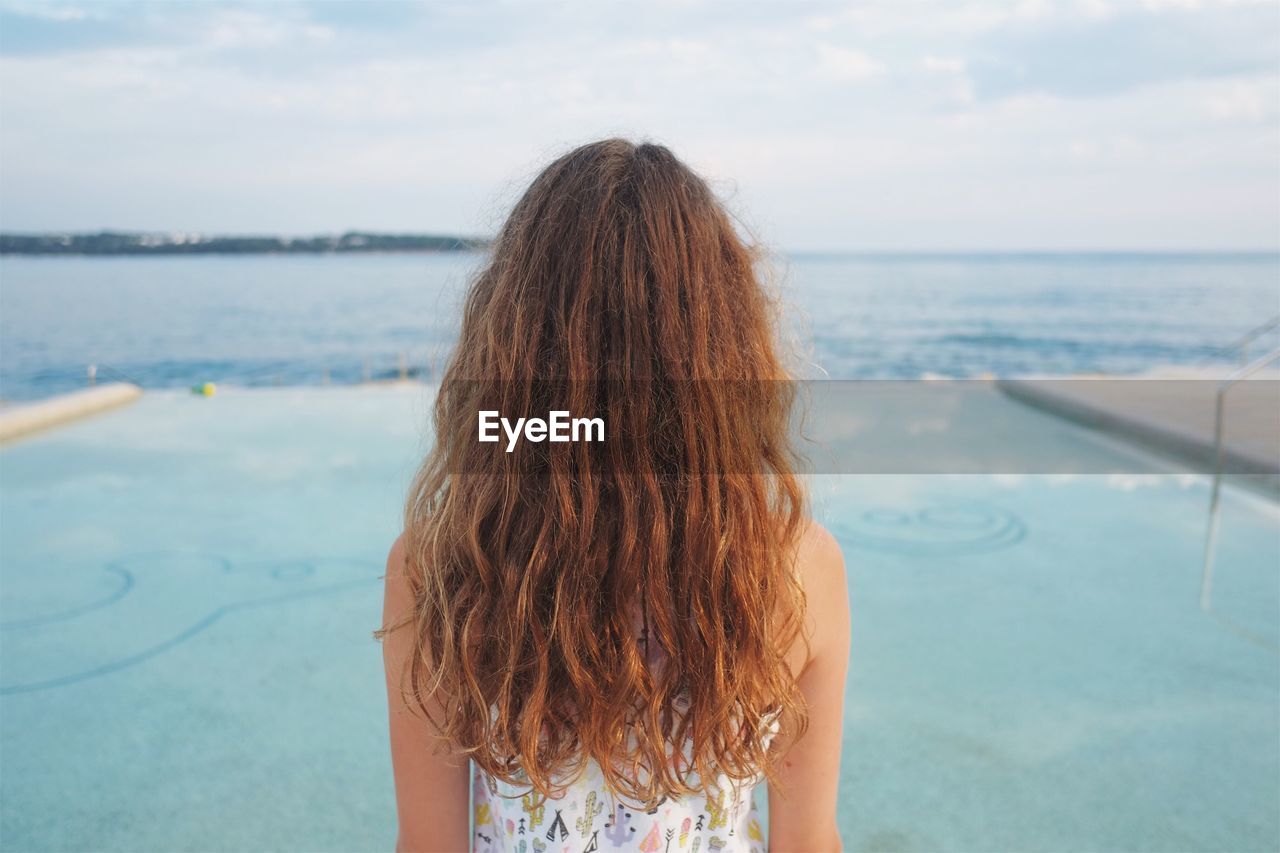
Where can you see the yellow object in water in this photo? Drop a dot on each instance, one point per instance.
(205, 389)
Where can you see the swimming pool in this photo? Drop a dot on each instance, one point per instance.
(190, 585)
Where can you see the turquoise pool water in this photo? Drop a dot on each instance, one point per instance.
(189, 587)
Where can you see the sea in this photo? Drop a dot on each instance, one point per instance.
(172, 322)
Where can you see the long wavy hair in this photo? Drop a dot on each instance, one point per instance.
(618, 286)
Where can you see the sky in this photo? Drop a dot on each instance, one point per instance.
(898, 125)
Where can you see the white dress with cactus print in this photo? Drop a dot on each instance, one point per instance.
(588, 819)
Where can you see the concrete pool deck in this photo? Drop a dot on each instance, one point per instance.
(1173, 412)
(23, 419)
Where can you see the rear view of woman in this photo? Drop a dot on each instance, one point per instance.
(624, 635)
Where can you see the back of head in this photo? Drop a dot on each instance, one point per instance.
(617, 287)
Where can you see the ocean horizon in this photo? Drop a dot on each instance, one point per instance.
(311, 319)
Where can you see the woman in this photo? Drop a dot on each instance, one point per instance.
(625, 635)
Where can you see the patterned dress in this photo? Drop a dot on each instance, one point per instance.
(588, 818)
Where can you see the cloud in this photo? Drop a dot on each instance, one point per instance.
(844, 64)
(944, 64)
(890, 125)
(51, 11)
(245, 29)
(1247, 100)
(1090, 54)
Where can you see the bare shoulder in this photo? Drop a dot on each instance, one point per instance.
(820, 560)
(398, 598)
(821, 567)
(395, 557)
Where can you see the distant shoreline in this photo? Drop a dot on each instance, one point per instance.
(168, 244)
(186, 243)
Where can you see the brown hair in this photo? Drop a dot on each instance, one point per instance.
(619, 283)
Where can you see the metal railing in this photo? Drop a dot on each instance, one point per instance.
(1241, 344)
(95, 369)
(1211, 535)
